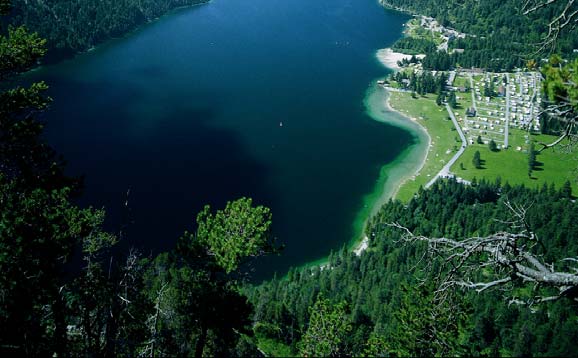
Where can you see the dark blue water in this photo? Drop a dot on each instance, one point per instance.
(187, 112)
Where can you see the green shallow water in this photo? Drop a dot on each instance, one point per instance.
(267, 99)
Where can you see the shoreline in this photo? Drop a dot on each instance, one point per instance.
(393, 175)
(408, 165)
(389, 58)
(113, 39)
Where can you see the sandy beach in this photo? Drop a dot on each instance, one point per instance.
(389, 58)
(410, 163)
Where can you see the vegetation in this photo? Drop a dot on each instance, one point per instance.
(421, 83)
(501, 32)
(413, 46)
(327, 330)
(554, 166)
(391, 291)
(76, 26)
(560, 115)
(434, 118)
(493, 146)
(477, 161)
(186, 302)
(392, 299)
(531, 159)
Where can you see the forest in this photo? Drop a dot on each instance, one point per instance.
(387, 293)
(500, 37)
(66, 291)
(76, 26)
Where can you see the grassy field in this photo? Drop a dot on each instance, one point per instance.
(444, 139)
(555, 165)
(461, 81)
(415, 30)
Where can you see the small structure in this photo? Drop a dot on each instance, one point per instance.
(471, 112)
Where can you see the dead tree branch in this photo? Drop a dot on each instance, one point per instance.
(566, 19)
(507, 255)
(565, 113)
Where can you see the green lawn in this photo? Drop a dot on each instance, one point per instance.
(555, 165)
(445, 140)
(464, 101)
(415, 30)
(461, 81)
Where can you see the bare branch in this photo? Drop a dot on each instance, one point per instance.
(567, 18)
(507, 254)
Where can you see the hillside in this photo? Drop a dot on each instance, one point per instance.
(75, 26)
(499, 36)
(389, 290)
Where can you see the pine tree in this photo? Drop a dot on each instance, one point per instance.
(531, 159)
(566, 190)
(493, 146)
(328, 328)
(452, 100)
(440, 99)
(477, 161)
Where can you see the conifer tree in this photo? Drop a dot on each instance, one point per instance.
(477, 161)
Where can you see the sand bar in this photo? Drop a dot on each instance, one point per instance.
(389, 58)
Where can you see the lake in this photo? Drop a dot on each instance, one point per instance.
(258, 98)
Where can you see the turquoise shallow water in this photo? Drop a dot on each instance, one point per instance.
(262, 99)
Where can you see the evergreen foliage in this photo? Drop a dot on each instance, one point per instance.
(184, 303)
(75, 26)
(493, 146)
(327, 330)
(189, 301)
(391, 297)
(452, 100)
(500, 33)
(412, 46)
(422, 83)
(531, 158)
(477, 160)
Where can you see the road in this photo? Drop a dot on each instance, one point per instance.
(473, 90)
(445, 172)
(451, 78)
(506, 130)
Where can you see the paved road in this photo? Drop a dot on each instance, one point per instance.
(507, 113)
(445, 172)
(451, 78)
(473, 90)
